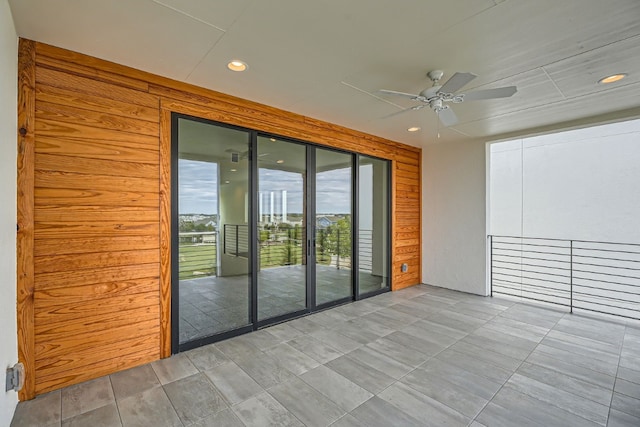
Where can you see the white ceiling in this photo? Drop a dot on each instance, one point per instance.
(327, 59)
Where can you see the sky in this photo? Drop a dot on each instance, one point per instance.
(198, 184)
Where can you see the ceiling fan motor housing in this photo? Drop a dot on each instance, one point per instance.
(430, 92)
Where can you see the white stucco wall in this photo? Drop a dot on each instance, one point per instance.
(454, 216)
(580, 184)
(8, 124)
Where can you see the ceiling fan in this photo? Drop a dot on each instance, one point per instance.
(437, 96)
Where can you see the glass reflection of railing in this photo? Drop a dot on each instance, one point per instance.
(197, 254)
(236, 240)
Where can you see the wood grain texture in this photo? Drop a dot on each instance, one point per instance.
(116, 356)
(25, 237)
(165, 233)
(96, 201)
(65, 97)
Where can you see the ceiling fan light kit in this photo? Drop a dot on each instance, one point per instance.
(436, 96)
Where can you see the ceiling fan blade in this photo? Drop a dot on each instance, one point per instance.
(393, 92)
(415, 107)
(447, 116)
(457, 81)
(501, 92)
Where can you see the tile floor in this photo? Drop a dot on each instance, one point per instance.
(423, 356)
(210, 305)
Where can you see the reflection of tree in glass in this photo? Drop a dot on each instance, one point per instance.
(336, 239)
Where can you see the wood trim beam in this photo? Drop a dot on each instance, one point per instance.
(165, 233)
(25, 214)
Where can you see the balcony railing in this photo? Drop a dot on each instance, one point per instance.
(198, 250)
(602, 277)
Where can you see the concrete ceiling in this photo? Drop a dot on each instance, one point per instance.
(327, 59)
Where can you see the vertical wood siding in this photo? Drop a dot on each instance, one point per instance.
(94, 208)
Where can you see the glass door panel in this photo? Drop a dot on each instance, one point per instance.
(373, 224)
(333, 231)
(213, 247)
(282, 174)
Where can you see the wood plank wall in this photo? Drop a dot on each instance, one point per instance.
(94, 208)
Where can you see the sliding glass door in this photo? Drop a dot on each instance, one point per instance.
(266, 229)
(210, 245)
(282, 225)
(373, 225)
(333, 230)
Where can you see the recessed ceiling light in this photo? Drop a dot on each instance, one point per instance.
(272, 139)
(279, 162)
(237, 65)
(413, 129)
(612, 78)
(233, 170)
(226, 182)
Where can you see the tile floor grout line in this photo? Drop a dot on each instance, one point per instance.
(115, 400)
(515, 371)
(615, 381)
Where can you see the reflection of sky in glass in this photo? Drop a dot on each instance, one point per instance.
(198, 185)
(333, 191)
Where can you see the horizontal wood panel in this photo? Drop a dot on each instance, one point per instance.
(408, 242)
(91, 260)
(81, 360)
(409, 228)
(51, 247)
(92, 73)
(79, 197)
(89, 342)
(65, 163)
(405, 193)
(407, 257)
(101, 291)
(69, 130)
(67, 214)
(408, 249)
(99, 120)
(59, 324)
(141, 350)
(86, 149)
(70, 180)
(407, 174)
(84, 229)
(52, 318)
(63, 80)
(54, 95)
(62, 279)
(404, 235)
(408, 168)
